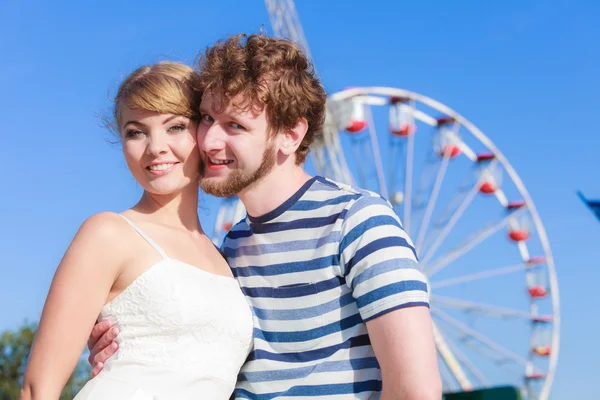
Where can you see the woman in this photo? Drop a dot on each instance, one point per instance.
(185, 327)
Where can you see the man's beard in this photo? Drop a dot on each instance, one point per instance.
(237, 180)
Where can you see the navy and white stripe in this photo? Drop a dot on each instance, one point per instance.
(315, 270)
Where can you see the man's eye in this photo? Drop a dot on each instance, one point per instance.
(206, 118)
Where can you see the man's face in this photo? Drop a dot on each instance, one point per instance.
(235, 147)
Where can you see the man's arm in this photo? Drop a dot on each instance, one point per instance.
(403, 344)
(379, 263)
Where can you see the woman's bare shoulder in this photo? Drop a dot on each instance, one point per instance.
(105, 230)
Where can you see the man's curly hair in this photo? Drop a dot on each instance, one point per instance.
(266, 72)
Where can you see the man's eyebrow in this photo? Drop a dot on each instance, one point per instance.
(229, 112)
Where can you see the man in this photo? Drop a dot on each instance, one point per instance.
(339, 305)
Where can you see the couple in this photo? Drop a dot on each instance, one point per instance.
(316, 293)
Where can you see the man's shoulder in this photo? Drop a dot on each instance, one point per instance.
(237, 231)
(357, 198)
(326, 189)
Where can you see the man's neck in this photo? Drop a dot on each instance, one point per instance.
(273, 190)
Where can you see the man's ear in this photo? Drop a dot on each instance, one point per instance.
(290, 139)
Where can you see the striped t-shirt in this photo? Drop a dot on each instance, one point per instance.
(314, 271)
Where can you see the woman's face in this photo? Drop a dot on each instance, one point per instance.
(160, 150)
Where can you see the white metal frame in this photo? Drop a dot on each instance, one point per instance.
(380, 96)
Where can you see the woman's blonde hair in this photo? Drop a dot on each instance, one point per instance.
(165, 87)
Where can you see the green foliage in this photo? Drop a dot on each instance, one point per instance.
(14, 353)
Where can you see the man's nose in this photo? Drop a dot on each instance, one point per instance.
(211, 138)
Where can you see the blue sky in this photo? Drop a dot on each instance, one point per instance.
(525, 72)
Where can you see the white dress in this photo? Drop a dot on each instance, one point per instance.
(185, 333)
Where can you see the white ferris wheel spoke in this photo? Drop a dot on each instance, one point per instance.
(376, 154)
(318, 157)
(458, 213)
(432, 200)
(339, 170)
(484, 351)
(453, 220)
(453, 204)
(408, 173)
(523, 250)
(331, 145)
(469, 244)
(450, 360)
(480, 275)
(396, 152)
(421, 116)
(362, 178)
(449, 383)
(326, 165)
(285, 22)
(335, 148)
(426, 179)
(479, 337)
(487, 309)
(460, 356)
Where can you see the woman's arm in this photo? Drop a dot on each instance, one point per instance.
(78, 291)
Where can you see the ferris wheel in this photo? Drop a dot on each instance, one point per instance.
(480, 240)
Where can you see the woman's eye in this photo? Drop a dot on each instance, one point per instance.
(133, 133)
(177, 128)
(235, 125)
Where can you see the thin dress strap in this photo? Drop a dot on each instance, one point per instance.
(150, 241)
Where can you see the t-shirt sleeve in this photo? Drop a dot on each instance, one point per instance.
(379, 260)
